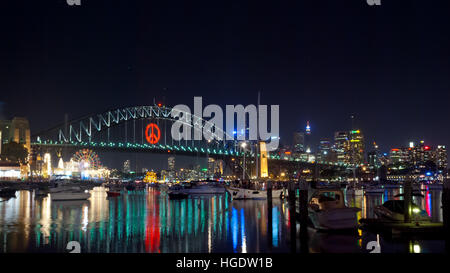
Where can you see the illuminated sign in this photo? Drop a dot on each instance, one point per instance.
(152, 133)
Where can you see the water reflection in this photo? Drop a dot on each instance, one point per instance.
(147, 221)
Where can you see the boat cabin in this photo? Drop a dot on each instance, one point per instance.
(327, 199)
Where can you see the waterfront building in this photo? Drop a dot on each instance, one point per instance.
(10, 171)
(47, 167)
(17, 130)
(127, 166)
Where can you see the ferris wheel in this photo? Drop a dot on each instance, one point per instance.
(87, 159)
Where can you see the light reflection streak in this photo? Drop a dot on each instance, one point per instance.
(243, 237)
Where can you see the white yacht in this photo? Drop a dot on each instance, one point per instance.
(253, 191)
(327, 210)
(69, 195)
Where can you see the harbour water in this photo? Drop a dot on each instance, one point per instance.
(146, 221)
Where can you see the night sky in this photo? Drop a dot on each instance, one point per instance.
(319, 60)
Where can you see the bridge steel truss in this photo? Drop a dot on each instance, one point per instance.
(79, 133)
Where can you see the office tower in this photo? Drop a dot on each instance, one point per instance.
(325, 152)
(373, 157)
(299, 142)
(127, 166)
(342, 147)
(171, 163)
(356, 147)
(441, 157)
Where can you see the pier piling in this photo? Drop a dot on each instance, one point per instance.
(292, 219)
(303, 208)
(407, 198)
(446, 213)
(269, 214)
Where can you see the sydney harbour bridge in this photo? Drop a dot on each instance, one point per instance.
(147, 129)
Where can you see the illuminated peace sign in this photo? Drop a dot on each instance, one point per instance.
(153, 135)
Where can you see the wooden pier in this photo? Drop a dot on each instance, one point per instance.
(401, 229)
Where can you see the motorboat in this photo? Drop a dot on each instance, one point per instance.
(203, 188)
(69, 195)
(130, 187)
(176, 192)
(354, 190)
(244, 193)
(373, 190)
(7, 192)
(327, 210)
(41, 192)
(112, 193)
(435, 186)
(394, 210)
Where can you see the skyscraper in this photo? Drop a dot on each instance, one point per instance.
(342, 146)
(325, 152)
(126, 166)
(374, 157)
(356, 147)
(171, 163)
(299, 142)
(307, 137)
(441, 156)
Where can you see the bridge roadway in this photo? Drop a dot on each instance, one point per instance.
(216, 153)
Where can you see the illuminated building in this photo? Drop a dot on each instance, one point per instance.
(47, 168)
(9, 171)
(127, 166)
(325, 153)
(356, 147)
(171, 163)
(374, 157)
(171, 168)
(299, 142)
(399, 155)
(150, 177)
(211, 164)
(441, 157)
(342, 146)
(17, 130)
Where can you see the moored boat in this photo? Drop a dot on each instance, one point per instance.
(243, 193)
(7, 192)
(394, 210)
(203, 188)
(176, 192)
(112, 193)
(69, 195)
(327, 210)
